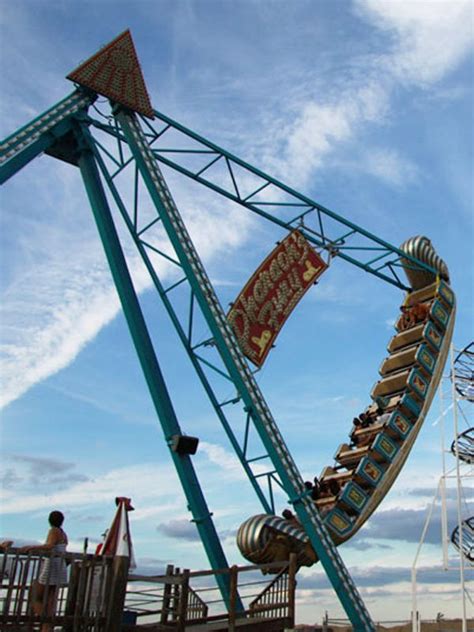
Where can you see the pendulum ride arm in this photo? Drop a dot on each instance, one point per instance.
(240, 373)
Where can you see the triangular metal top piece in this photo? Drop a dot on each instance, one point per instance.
(115, 73)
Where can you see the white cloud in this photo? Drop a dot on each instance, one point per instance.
(321, 126)
(133, 481)
(52, 310)
(223, 458)
(388, 165)
(430, 37)
(429, 40)
(228, 463)
(129, 481)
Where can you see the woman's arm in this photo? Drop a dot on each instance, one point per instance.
(54, 537)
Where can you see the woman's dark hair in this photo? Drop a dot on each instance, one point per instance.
(56, 519)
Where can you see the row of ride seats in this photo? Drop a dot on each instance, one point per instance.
(407, 351)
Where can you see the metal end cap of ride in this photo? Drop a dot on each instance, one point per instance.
(421, 248)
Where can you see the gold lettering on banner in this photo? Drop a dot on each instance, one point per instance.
(270, 316)
(283, 294)
(295, 281)
(283, 261)
(292, 253)
(260, 310)
(275, 271)
(250, 307)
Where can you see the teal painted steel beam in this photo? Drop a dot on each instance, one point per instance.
(40, 134)
(149, 362)
(38, 123)
(32, 150)
(243, 379)
(261, 174)
(185, 337)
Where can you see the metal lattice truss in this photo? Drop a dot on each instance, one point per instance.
(114, 158)
(190, 154)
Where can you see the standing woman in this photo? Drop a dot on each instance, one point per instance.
(53, 569)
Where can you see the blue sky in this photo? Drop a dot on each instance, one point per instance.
(365, 106)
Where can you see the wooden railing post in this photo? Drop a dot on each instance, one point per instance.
(183, 601)
(118, 589)
(165, 608)
(71, 602)
(233, 571)
(175, 598)
(292, 588)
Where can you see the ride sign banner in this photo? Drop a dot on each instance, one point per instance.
(271, 294)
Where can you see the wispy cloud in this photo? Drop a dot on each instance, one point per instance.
(387, 590)
(129, 481)
(322, 126)
(70, 489)
(218, 455)
(38, 471)
(48, 316)
(390, 167)
(379, 576)
(366, 545)
(429, 40)
(407, 524)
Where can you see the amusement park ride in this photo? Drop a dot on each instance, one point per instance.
(135, 139)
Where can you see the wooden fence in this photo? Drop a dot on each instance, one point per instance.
(100, 596)
(83, 604)
(183, 599)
